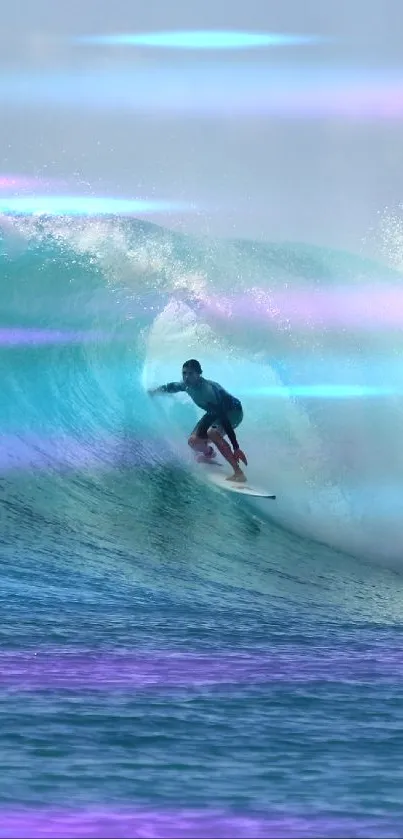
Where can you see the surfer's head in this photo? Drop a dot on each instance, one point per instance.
(191, 371)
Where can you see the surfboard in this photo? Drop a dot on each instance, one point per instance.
(215, 475)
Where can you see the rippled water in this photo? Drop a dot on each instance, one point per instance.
(175, 661)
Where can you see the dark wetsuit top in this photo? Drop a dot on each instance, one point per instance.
(213, 399)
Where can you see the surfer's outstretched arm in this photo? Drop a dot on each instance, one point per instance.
(171, 387)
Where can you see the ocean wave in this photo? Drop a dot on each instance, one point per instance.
(101, 309)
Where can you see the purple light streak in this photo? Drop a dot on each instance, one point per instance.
(292, 92)
(369, 306)
(20, 182)
(18, 337)
(63, 669)
(61, 453)
(125, 823)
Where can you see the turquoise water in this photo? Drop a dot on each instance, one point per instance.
(176, 661)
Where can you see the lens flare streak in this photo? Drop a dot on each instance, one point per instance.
(18, 337)
(69, 670)
(65, 453)
(323, 391)
(200, 40)
(293, 91)
(9, 182)
(373, 306)
(59, 205)
(129, 823)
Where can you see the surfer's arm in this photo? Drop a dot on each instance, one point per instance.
(171, 387)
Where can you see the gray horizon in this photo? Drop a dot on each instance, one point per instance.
(321, 178)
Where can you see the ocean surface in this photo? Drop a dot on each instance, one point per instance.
(176, 660)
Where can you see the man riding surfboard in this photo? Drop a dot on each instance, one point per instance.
(223, 413)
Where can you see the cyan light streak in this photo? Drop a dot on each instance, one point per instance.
(20, 336)
(59, 205)
(323, 391)
(200, 40)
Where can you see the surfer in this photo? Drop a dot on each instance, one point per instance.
(223, 414)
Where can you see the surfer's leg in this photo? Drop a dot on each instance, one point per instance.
(216, 433)
(198, 440)
(223, 447)
(201, 446)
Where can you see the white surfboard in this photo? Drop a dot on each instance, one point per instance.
(217, 476)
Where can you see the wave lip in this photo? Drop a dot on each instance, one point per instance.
(100, 305)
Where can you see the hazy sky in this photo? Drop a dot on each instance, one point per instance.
(201, 126)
